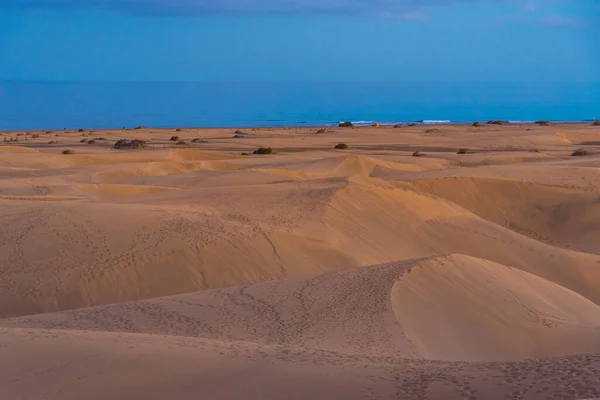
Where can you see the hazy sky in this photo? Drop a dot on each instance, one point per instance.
(293, 40)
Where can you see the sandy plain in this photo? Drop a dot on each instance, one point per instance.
(189, 271)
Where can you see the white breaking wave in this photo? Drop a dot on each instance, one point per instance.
(435, 122)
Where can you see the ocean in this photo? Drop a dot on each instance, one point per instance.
(74, 105)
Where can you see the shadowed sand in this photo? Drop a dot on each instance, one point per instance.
(166, 272)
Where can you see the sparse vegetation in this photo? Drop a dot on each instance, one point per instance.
(174, 138)
(417, 154)
(35, 136)
(341, 146)
(83, 141)
(181, 143)
(91, 141)
(477, 124)
(596, 123)
(140, 127)
(462, 151)
(80, 130)
(178, 130)
(240, 133)
(245, 154)
(580, 153)
(68, 151)
(100, 138)
(129, 144)
(496, 122)
(53, 142)
(542, 123)
(534, 150)
(346, 124)
(198, 140)
(434, 130)
(322, 130)
(412, 124)
(398, 126)
(263, 150)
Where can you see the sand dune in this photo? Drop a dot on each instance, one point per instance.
(312, 272)
(453, 308)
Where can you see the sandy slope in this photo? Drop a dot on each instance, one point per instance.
(127, 228)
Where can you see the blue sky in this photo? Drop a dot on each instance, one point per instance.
(311, 40)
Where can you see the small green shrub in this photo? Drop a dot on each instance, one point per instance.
(263, 150)
(129, 144)
(341, 146)
(580, 153)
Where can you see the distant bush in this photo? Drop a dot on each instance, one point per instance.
(398, 126)
(174, 138)
(83, 141)
(346, 124)
(322, 130)
(477, 124)
(140, 127)
(596, 123)
(580, 153)
(35, 136)
(181, 143)
(178, 130)
(263, 150)
(20, 134)
(129, 144)
(53, 142)
(496, 122)
(417, 154)
(100, 138)
(462, 151)
(240, 133)
(533, 150)
(67, 151)
(198, 140)
(91, 141)
(542, 123)
(341, 146)
(412, 124)
(80, 130)
(245, 154)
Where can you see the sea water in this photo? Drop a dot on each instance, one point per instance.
(73, 105)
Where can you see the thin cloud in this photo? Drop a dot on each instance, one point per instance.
(402, 9)
(557, 21)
